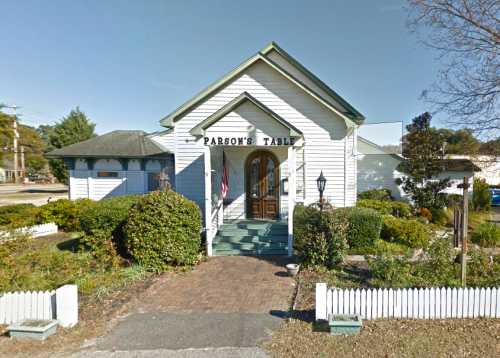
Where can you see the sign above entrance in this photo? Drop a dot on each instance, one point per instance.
(265, 141)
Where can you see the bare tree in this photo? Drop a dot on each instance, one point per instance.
(466, 34)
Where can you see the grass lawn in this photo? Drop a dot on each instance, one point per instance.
(299, 337)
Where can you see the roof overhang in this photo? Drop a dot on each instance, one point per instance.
(199, 129)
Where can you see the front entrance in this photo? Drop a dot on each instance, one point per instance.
(262, 185)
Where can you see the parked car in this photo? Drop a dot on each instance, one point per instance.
(495, 197)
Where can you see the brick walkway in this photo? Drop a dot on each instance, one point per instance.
(225, 284)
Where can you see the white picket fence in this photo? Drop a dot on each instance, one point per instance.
(33, 231)
(422, 303)
(60, 304)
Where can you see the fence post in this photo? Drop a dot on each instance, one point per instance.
(67, 305)
(321, 290)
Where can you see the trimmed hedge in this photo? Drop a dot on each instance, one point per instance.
(376, 194)
(163, 228)
(103, 222)
(411, 233)
(320, 238)
(64, 212)
(395, 208)
(18, 215)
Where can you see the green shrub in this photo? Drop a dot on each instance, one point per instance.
(411, 233)
(102, 247)
(65, 213)
(481, 195)
(486, 235)
(376, 194)
(18, 215)
(395, 208)
(401, 209)
(320, 238)
(383, 207)
(163, 228)
(103, 220)
(364, 227)
(439, 216)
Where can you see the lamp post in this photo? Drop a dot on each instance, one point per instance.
(321, 182)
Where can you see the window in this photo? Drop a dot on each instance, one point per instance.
(107, 174)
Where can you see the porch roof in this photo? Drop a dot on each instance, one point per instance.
(235, 103)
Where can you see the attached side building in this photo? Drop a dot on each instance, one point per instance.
(117, 163)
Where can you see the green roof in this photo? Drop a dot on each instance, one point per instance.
(116, 144)
(345, 109)
(235, 103)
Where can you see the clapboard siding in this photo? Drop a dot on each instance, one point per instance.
(324, 133)
(166, 139)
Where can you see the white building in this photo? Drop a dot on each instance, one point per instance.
(276, 124)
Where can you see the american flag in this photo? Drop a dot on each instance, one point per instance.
(225, 177)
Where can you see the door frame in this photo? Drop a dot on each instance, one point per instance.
(277, 163)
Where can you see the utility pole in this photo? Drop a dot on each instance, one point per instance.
(465, 220)
(15, 143)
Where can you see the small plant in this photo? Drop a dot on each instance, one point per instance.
(486, 235)
(162, 229)
(376, 194)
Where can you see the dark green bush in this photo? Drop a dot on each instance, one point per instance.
(439, 216)
(320, 238)
(376, 194)
(104, 220)
(481, 195)
(411, 233)
(65, 213)
(364, 227)
(163, 228)
(486, 235)
(18, 215)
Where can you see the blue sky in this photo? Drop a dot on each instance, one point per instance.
(129, 63)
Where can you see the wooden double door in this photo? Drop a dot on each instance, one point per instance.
(262, 185)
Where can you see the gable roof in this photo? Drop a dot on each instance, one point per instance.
(116, 144)
(378, 147)
(349, 114)
(235, 103)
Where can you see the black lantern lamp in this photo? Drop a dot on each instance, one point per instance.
(321, 183)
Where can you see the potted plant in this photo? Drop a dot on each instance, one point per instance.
(344, 324)
(293, 269)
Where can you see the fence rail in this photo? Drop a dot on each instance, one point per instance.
(61, 304)
(33, 231)
(422, 303)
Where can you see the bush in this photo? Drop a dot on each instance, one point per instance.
(102, 247)
(439, 217)
(395, 208)
(481, 195)
(320, 238)
(383, 207)
(65, 213)
(163, 228)
(18, 215)
(425, 213)
(103, 222)
(486, 235)
(364, 227)
(411, 233)
(376, 194)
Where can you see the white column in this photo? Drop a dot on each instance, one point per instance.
(208, 200)
(291, 195)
